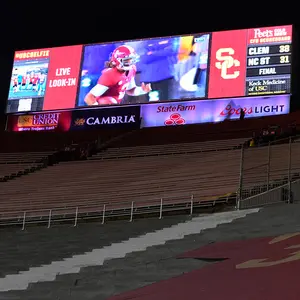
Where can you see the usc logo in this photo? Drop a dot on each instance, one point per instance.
(26, 120)
(226, 62)
(292, 254)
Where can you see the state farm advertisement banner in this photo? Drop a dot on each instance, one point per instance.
(50, 121)
(44, 79)
(114, 117)
(207, 111)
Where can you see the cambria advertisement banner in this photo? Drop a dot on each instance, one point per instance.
(114, 117)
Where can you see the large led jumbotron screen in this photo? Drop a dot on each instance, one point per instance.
(237, 63)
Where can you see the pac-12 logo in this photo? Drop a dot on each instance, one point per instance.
(226, 62)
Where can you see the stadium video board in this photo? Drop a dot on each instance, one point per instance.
(236, 63)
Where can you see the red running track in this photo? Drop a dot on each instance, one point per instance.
(257, 269)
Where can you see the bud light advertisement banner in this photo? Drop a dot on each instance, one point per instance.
(50, 121)
(115, 117)
(212, 111)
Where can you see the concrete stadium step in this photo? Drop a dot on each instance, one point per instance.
(40, 245)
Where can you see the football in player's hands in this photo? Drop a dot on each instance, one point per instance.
(106, 100)
(146, 87)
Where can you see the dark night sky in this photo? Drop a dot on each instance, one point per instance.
(38, 24)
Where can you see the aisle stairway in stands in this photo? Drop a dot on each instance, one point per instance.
(13, 165)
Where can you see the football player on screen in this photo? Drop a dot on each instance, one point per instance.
(117, 79)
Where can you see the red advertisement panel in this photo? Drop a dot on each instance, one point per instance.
(63, 76)
(267, 35)
(228, 64)
(50, 121)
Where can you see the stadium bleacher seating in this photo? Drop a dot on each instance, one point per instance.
(98, 182)
(92, 183)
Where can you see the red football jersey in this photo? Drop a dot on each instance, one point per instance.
(34, 80)
(116, 81)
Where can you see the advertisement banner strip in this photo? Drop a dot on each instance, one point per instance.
(151, 115)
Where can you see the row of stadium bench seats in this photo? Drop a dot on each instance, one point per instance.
(22, 157)
(206, 175)
(165, 149)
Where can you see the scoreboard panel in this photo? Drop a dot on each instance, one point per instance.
(251, 62)
(268, 69)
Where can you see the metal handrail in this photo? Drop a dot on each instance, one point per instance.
(122, 204)
(122, 209)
